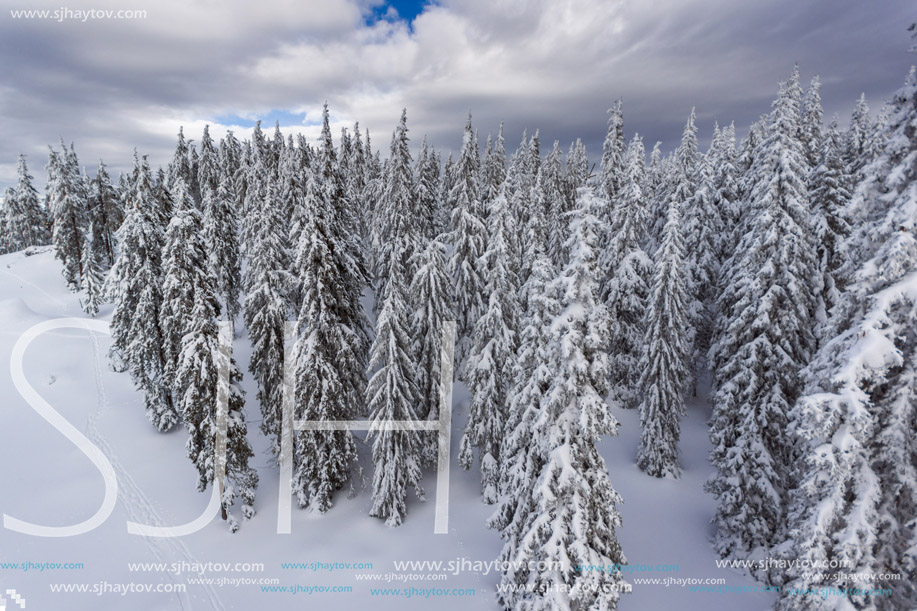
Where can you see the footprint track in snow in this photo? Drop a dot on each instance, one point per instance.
(138, 506)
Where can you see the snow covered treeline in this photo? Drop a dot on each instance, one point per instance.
(780, 267)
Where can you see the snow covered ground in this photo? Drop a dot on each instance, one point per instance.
(45, 479)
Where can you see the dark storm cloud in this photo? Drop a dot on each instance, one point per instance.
(110, 85)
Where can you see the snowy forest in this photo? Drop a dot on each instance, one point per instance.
(777, 267)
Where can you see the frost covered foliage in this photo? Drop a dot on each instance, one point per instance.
(764, 338)
(392, 395)
(469, 239)
(431, 298)
(571, 516)
(397, 220)
(24, 221)
(613, 160)
(664, 361)
(182, 259)
(267, 284)
(332, 346)
(856, 498)
(489, 366)
(829, 191)
(198, 392)
(67, 201)
(221, 232)
(105, 213)
(628, 270)
(135, 286)
(521, 460)
(696, 193)
(93, 264)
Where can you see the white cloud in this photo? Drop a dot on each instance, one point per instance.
(554, 64)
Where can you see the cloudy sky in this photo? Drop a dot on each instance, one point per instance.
(112, 84)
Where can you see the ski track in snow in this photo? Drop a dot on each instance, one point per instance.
(138, 506)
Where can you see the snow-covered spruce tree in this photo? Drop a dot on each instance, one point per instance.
(431, 298)
(180, 167)
(613, 156)
(523, 206)
(521, 459)
(392, 394)
(449, 178)
(194, 162)
(531, 239)
(7, 242)
(533, 154)
(468, 237)
(427, 192)
(494, 169)
(703, 229)
(265, 308)
(765, 336)
(573, 512)
(197, 373)
(482, 175)
(135, 286)
(323, 458)
(231, 158)
(67, 201)
(257, 180)
(396, 219)
(558, 203)
(126, 184)
(657, 187)
(744, 158)
(355, 182)
(665, 357)
(237, 166)
(208, 164)
(811, 122)
(614, 170)
(348, 257)
(576, 168)
(745, 153)
(105, 211)
(856, 498)
(180, 263)
(722, 158)
(488, 371)
(443, 213)
(465, 188)
(829, 194)
(163, 197)
(687, 161)
(221, 234)
(372, 191)
(332, 346)
(372, 180)
(693, 193)
(258, 147)
(629, 270)
(741, 216)
(860, 141)
(26, 221)
(345, 158)
(92, 260)
(290, 187)
(687, 158)
(275, 148)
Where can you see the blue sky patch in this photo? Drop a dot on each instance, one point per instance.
(407, 9)
(285, 117)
